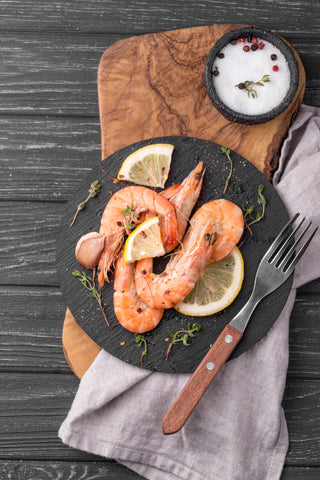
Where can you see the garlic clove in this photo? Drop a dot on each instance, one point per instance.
(89, 249)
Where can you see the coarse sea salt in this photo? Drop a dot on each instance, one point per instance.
(238, 66)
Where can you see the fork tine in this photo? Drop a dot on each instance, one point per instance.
(285, 243)
(296, 259)
(281, 237)
(288, 255)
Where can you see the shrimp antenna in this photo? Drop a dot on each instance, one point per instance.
(115, 180)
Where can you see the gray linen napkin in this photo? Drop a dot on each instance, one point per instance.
(238, 431)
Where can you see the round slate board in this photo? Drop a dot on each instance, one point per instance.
(242, 190)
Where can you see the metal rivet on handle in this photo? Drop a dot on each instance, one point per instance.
(210, 366)
(228, 338)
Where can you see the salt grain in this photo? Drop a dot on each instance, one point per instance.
(239, 66)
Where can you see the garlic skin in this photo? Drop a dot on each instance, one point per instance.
(89, 249)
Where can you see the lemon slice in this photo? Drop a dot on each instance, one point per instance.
(148, 166)
(217, 287)
(144, 242)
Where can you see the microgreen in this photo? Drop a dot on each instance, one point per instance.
(129, 212)
(250, 216)
(249, 85)
(182, 336)
(141, 342)
(226, 150)
(95, 188)
(88, 283)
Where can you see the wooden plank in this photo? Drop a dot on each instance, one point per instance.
(28, 242)
(40, 470)
(103, 470)
(33, 406)
(55, 74)
(304, 340)
(145, 16)
(301, 406)
(32, 319)
(51, 74)
(30, 337)
(45, 159)
(300, 473)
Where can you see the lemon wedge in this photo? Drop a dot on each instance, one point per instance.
(148, 166)
(144, 242)
(217, 287)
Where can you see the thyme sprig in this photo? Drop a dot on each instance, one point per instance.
(249, 85)
(88, 283)
(182, 336)
(132, 215)
(141, 342)
(249, 212)
(95, 188)
(226, 150)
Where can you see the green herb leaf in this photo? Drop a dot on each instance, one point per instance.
(249, 212)
(130, 226)
(95, 188)
(141, 342)
(249, 85)
(129, 212)
(88, 283)
(182, 336)
(226, 151)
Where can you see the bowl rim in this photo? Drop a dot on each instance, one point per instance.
(278, 42)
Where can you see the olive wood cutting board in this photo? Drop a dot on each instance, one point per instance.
(153, 85)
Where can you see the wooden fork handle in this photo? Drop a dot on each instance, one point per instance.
(198, 383)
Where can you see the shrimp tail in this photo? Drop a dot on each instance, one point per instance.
(113, 245)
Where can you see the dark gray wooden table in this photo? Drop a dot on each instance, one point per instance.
(49, 140)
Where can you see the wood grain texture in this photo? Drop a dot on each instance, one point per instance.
(163, 91)
(56, 75)
(146, 16)
(31, 328)
(103, 470)
(53, 470)
(33, 407)
(45, 159)
(51, 75)
(28, 242)
(302, 473)
(74, 339)
(31, 320)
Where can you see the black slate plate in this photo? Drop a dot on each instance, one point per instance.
(242, 190)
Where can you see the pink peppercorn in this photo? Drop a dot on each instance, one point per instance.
(246, 48)
(254, 40)
(241, 39)
(275, 68)
(261, 45)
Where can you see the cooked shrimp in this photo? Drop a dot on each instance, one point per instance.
(184, 199)
(212, 234)
(229, 224)
(182, 271)
(135, 201)
(132, 313)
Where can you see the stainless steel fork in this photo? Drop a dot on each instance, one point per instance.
(275, 268)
